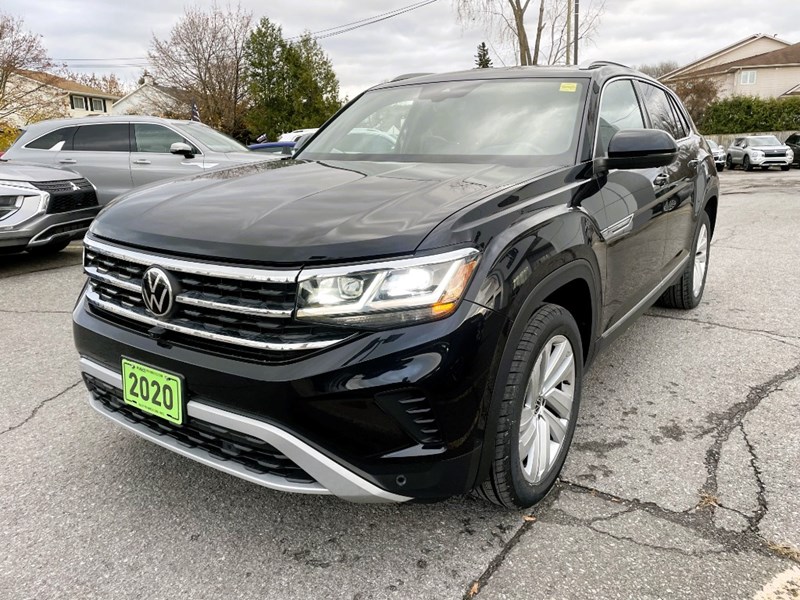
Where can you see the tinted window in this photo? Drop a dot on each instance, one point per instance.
(658, 107)
(793, 139)
(680, 120)
(102, 138)
(619, 110)
(154, 138)
(60, 139)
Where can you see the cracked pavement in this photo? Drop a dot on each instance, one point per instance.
(681, 483)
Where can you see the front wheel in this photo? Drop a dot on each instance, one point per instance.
(729, 162)
(785, 167)
(538, 410)
(746, 164)
(687, 292)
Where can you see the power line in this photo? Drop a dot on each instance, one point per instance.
(317, 35)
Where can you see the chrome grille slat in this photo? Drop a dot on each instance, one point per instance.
(254, 313)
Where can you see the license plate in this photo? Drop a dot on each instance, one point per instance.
(153, 391)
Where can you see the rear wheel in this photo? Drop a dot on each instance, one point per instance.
(785, 167)
(538, 412)
(746, 164)
(50, 248)
(687, 292)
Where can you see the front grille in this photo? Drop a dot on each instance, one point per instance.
(253, 454)
(220, 307)
(774, 153)
(64, 196)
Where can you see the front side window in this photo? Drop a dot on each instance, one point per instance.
(748, 77)
(793, 139)
(149, 137)
(656, 101)
(98, 105)
(60, 139)
(619, 110)
(111, 137)
(211, 138)
(528, 121)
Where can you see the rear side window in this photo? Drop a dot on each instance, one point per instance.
(659, 108)
(60, 139)
(149, 137)
(619, 110)
(111, 137)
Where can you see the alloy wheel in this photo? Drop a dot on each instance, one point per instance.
(700, 261)
(547, 407)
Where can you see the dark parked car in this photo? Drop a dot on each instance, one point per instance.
(283, 148)
(406, 315)
(793, 141)
(43, 209)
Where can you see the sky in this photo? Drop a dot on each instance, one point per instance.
(428, 39)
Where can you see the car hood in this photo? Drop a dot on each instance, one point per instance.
(14, 171)
(782, 148)
(291, 212)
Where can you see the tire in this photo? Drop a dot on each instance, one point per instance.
(684, 294)
(721, 168)
(47, 249)
(746, 163)
(785, 167)
(729, 162)
(550, 334)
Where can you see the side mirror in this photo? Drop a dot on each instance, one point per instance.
(639, 149)
(182, 148)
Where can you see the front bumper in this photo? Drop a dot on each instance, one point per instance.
(772, 161)
(41, 229)
(385, 416)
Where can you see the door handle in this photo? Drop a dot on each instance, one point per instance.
(141, 161)
(68, 161)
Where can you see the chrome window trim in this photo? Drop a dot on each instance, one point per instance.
(94, 299)
(193, 267)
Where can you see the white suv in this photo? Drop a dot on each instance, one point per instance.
(763, 151)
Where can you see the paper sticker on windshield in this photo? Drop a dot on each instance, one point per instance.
(568, 87)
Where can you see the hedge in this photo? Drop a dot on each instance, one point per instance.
(748, 113)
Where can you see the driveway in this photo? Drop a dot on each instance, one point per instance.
(682, 481)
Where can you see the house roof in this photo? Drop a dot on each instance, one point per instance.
(65, 84)
(783, 57)
(172, 92)
(743, 42)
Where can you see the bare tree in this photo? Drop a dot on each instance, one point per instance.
(203, 59)
(23, 77)
(506, 20)
(658, 70)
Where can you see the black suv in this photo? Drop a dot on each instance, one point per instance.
(405, 308)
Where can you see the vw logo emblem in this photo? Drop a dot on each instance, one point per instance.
(158, 292)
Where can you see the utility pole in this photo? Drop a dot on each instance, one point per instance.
(577, 30)
(569, 32)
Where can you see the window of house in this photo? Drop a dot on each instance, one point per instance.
(111, 137)
(656, 101)
(98, 105)
(748, 77)
(60, 139)
(79, 102)
(154, 138)
(619, 110)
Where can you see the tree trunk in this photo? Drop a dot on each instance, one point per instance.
(539, 28)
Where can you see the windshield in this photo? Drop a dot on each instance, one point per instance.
(764, 140)
(211, 138)
(528, 121)
(713, 144)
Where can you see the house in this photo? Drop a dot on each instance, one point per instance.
(760, 65)
(35, 95)
(151, 99)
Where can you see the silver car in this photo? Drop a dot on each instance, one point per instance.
(43, 209)
(763, 151)
(120, 153)
(718, 152)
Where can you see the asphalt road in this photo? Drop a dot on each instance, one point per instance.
(682, 481)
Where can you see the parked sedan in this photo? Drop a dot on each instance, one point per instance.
(763, 151)
(120, 153)
(718, 152)
(793, 141)
(43, 209)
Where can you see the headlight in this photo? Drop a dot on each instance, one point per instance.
(790, 154)
(757, 154)
(388, 293)
(9, 205)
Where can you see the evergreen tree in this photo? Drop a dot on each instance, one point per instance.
(482, 59)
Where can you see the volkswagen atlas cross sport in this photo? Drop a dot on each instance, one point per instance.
(404, 309)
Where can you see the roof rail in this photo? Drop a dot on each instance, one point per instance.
(408, 76)
(606, 63)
